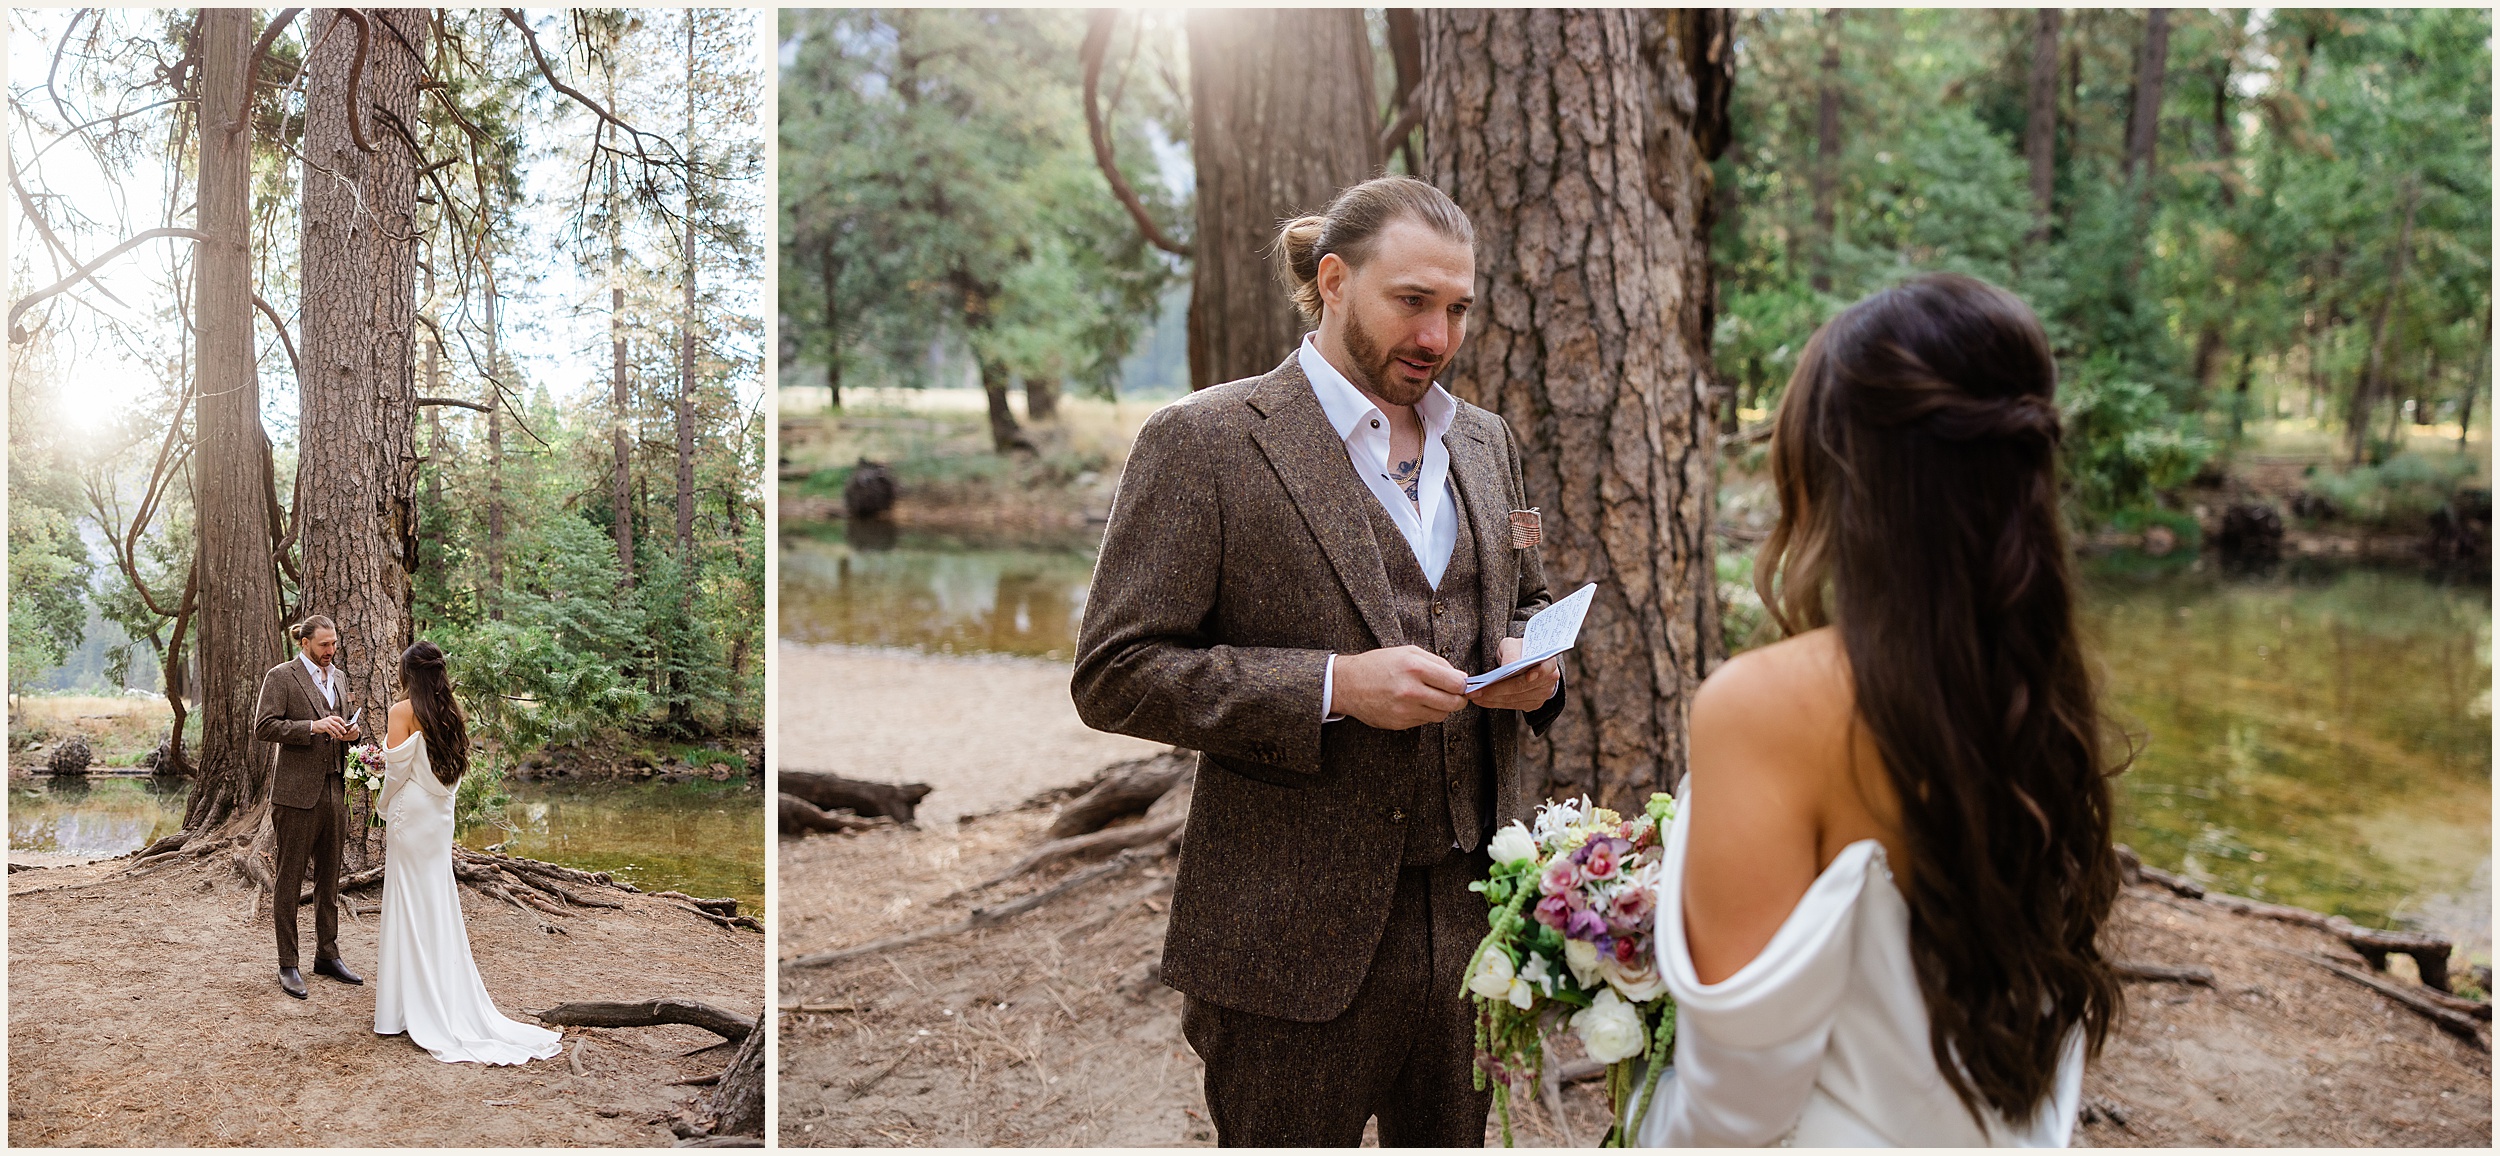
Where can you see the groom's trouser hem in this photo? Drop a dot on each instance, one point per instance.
(309, 836)
(1402, 1051)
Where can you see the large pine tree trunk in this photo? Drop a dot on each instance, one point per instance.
(1579, 143)
(2152, 64)
(1827, 152)
(1283, 117)
(238, 586)
(357, 468)
(2040, 127)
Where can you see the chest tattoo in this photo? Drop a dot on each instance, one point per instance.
(1408, 476)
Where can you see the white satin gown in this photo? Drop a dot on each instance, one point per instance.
(1821, 1040)
(426, 982)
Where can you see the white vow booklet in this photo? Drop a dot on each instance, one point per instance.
(1554, 630)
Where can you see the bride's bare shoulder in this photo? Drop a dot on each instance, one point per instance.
(1778, 702)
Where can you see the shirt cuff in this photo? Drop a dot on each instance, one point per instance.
(1328, 692)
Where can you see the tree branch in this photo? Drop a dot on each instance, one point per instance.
(426, 401)
(251, 68)
(283, 338)
(356, 75)
(1098, 27)
(576, 95)
(19, 336)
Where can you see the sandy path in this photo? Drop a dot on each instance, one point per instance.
(146, 1012)
(983, 730)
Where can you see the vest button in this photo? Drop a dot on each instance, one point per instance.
(1437, 608)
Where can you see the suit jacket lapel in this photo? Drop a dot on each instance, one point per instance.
(312, 691)
(1482, 479)
(1311, 462)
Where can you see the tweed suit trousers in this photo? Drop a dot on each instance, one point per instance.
(310, 834)
(1403, 1052)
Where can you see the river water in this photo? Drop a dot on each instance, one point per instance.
(2311, 735)
(702, 838)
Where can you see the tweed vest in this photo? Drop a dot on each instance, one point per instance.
(1451, 762)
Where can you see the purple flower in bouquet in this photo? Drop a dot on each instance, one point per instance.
(1585, 924)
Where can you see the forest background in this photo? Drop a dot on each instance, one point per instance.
(578, 510)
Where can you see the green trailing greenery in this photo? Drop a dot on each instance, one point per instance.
(2320, 188)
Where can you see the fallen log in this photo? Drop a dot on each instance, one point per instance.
(2430, 953)
(799, 817)
(650, 1013)
(1163, 820)
(2455, 1023)
(1125, 789)
(2163, 973)
(831, 792)
(715, 906)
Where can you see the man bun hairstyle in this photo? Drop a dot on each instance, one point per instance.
(1352, 222)
(310, 626)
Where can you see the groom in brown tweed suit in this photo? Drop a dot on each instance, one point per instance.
(299, 708)
(1300, 571)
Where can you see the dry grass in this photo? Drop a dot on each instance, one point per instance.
(121, 730)
(938, 444)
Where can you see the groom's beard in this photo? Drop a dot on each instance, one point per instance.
(1379, 369)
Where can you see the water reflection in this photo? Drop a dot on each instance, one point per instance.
(701, 838)
(936, 592)
(2312, 736)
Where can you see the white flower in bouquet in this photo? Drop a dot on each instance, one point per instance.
(1552, 819)
(1581, 956)
(1512, 844)
(1639, 982)
(1539, 976)
(1610, 1029)
(1494, 979)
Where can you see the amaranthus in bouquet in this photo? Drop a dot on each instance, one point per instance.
(364, 769)
(1574, 920)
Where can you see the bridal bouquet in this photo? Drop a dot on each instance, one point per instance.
(1574, 917)
(364, 769)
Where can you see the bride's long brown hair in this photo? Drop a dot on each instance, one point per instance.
(438, 713)
(1915, 456)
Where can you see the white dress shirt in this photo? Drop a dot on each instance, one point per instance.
(321, 679)
(1430, 523)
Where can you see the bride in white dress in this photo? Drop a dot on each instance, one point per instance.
(427, 984)
(1883, 888)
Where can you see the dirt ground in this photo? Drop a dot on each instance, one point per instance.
(1052, 1029)
(982, 729)
(146, 1012)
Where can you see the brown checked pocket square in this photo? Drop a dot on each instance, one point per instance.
(1525, 529)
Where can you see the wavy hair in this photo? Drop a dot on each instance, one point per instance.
(1915, 456)
(446, 729)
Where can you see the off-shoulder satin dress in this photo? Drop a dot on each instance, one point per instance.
(1821, 1040)
(426, 982)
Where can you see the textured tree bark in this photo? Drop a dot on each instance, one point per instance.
(1579, 143)
(1283, 116)
(357, 466)
(1041, 398)
(238, 585)
(1827, 153)
(2144, 116)
(735, 1105)
(2040, 130)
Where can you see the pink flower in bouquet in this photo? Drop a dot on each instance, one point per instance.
(1561, 877)
(1632, 909)
(1553, 911)
(1627, 950)
(1604, 857)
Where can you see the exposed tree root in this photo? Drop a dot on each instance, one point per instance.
(985, 916)
(798, 817)
(2162, 973)
(650, 1013)
(2455, 1023)
(1124, 789)
(833, 792)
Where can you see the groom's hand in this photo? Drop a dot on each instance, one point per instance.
(1526, 690)
(330, 725)
(1396, 688)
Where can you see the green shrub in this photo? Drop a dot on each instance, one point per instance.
(2404, 489)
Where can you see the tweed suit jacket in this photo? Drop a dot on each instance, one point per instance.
(289, 705)
(1238, 557)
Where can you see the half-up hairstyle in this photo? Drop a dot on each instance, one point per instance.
(1915, 456)
(1352, 222)
(446, 730)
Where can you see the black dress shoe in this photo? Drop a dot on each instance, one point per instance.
(293, 981)
(336, 970)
